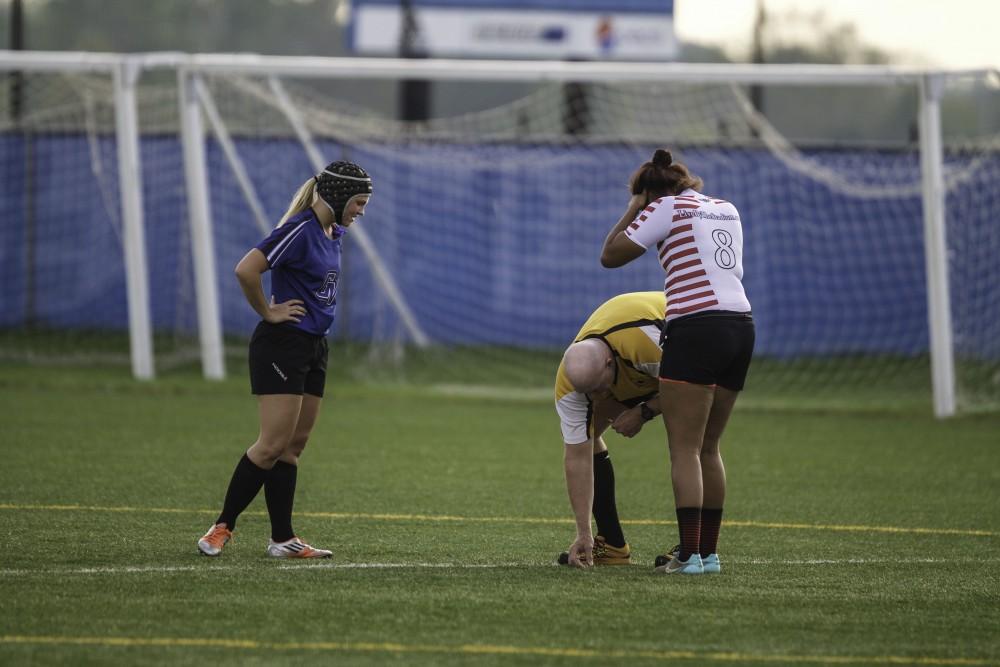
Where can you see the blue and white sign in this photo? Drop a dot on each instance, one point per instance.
(577, 29)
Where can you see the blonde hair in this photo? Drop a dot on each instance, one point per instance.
(302, 200)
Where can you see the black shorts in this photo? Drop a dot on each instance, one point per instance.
(286, 360)
(712, 348)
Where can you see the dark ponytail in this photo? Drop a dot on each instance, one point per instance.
(662, 177)
(662, 158)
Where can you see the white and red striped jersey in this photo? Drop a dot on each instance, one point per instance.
(699, 241)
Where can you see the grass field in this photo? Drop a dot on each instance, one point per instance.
(853, 536)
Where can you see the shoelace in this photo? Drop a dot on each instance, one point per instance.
(600, 549)
(603, 549)
(216, 536)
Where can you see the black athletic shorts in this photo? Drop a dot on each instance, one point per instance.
(712, 348)
(286, 360)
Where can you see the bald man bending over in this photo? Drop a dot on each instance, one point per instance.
(607, 378)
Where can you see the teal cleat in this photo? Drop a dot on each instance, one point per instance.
(692, 565)
(711, 564)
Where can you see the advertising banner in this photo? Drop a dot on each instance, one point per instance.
(547, 29)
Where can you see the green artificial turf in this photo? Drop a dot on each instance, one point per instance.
(865, 536)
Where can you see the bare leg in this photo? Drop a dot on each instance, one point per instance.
(303, 427)
(279, 489)
(686, 408)
(279, 414)
(713, 472)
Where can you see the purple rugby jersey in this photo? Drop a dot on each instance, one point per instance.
(305, 264)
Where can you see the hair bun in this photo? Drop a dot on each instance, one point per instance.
(662, 158)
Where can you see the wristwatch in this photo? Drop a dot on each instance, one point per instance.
(646, 412)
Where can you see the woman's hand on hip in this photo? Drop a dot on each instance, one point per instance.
(292, 310)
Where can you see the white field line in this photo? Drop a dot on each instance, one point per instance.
(158, 569)
(242, 566)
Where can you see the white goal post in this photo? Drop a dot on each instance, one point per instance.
(195, 101)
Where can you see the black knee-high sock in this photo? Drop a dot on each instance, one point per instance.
(711, 523)
(243, 488)
(279, 492)
(689, 525)
(605, 509)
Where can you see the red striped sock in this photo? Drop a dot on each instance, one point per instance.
(689, 524)
(711, 523)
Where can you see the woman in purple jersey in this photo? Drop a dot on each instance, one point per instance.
(288, 350)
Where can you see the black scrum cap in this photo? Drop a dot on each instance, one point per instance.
(339, 183)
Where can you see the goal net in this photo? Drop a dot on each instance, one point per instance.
(477, 259)
(491, 224)
(61, 230)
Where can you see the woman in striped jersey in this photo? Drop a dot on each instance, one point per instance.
(708, 340)
(288, 349)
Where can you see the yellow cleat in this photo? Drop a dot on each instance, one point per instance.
(604, 554)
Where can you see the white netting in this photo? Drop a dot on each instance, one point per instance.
(492, 222)
(61, 227)
(489, 225)
(60, 236)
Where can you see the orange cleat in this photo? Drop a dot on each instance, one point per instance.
(213, 541)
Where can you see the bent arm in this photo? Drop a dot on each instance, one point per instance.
(248, 273)
(619, 249)
(631, 420)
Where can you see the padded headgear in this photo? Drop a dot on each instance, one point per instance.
(339, 183)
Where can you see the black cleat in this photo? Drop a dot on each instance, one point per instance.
(663, 559)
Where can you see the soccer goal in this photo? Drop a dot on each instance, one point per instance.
(134, 184)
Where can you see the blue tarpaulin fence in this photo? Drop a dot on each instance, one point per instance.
(499, 243)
